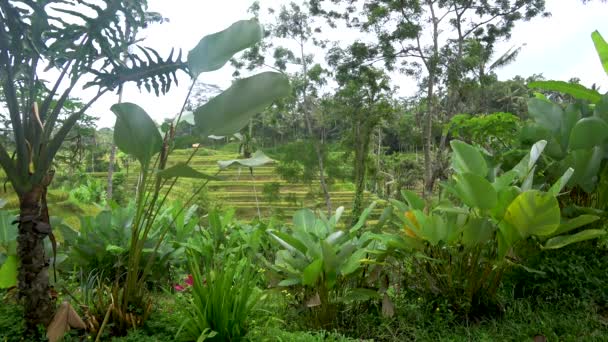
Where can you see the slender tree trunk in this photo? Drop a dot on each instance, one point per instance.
(33, 278)
(111, 172)
(362, 138)
(317, 144)
(113, 149)
(429, 177)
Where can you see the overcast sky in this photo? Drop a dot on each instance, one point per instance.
(559, 47)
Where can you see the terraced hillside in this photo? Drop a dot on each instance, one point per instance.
(264, 193)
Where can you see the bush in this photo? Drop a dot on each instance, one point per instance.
(12, 325)
(271, 192)
(101, 246)
(223, 300)
(577, 270)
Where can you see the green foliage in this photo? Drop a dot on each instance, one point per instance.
(12, 325)
(230, 111)
(135, 133)
(256, 160)
(101, 245)
(602, 49)
(223, 300)
(89, 191)
(215, 50)
(8, 250)
(272, 192)
(496, 132)
(320, 260)
(575, 90)
(462, 246)
(578, 270)
(575, 139)
(297, 163)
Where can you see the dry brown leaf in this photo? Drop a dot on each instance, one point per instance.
(388, 308)
(314, 301)
(65, 318)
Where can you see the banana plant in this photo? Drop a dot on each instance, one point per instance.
(464, 244)
(321, 258)
(136, 134)
(491, 205)
(577, 135)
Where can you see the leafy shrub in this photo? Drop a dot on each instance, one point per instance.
(12, 325)
(577, 270)
(319, 262)
(496, 132)
(461, 247)
(119, 183)
(271, 191)
(224, 297)
(101, 245)
(91, 190)
(298, 163)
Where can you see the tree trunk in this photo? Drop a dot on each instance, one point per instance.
(111, 172)
(33, 279)
(308, 119)
(428, 141)
(362, 141)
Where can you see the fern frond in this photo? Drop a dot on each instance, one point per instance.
(149, 70)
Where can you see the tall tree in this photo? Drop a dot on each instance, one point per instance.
(295, 25)
(362, 101)
(77, 39)
(415, 36)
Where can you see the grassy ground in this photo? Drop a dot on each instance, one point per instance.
(568, 319)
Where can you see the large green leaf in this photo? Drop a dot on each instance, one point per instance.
(505, 198)
(330, 263)
(572, 115)
(135, 133)
(586, 164)
(575, 90)
(534, 213)
(353, 262)
(477, 231)
(435, 229)
(8, 272)
(546, 113)
(215, 50)
(304, 220)
(574, 223)
(289, 242)
(565, 240)
(561, 182)
(8, 233)
(602, 49)
(475, 191)
(413, 200)
(588, 132)
(184, 171)
(312, 272)
(527, 163)
(257, 159)
(230, 111)
(466, 158)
